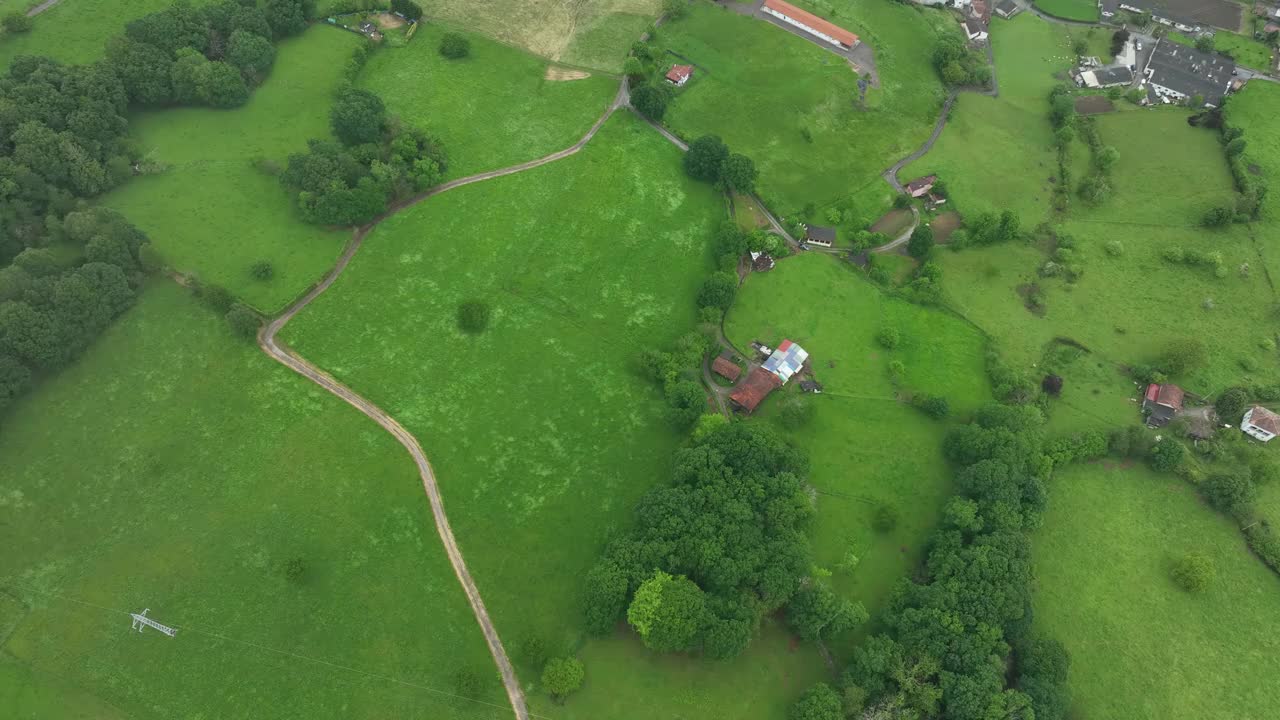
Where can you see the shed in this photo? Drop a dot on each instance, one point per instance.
(1259, 422)
(1007, 8)
(810, 386)
(756, 388)
(819, 235)
(1162, 403)
(726, 368)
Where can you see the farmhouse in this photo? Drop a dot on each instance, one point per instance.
(758, 385)
(819, 235)
(1175, 72)
(1007, 9)
(810, 23)
(1104, 78)
(678, 75)
(921, 186)
(975, 30)
(1162, 403)
(1260, 423)
(786, 361)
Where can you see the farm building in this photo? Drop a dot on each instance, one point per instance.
(761, 262)
(1007, 9)
(1177, 72)
(1104, 78)
(1162, 403)
(975, 30)
(810, 386)
(1260, 423)
(819, 235)
(726, 368)
(921, 186)
(678, 75)
(758, 385)
(810, 23)
(786, 361)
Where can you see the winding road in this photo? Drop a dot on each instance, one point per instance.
(276, 349)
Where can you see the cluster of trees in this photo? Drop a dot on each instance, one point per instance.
(958, 64)
(732, 242)
(958, 642)
(455, 46)
(676, 370)
(1251, 189)
(987, 228)
(709, 160)
(650, 94)
(1097, 186)
(374, 162)
(50, 312)
(1118, 39)
(1211, 260)
(16, 23)
(1065, 261)
(717, 549)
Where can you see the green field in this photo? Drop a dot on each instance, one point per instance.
(1256, 110)
(866, 447)
(74, 31)
(491, 109)
(1083, 10)
(1244, 50)
(760, 87)
(1142, 648)
(541, 429)
(176, 468)
(213, 212)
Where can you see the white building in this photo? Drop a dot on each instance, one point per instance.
(1260, 423)
(810, 23)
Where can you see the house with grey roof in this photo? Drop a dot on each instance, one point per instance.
(1105, 77)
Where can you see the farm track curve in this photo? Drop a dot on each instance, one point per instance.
(277, 350)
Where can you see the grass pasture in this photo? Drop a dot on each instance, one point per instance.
(540, 429)
(213, 212)
(1082, 10)
(1243, 49)
(189, 468)
(866, 447)
(73, 32)
(761, 87)
(1140, 647)
(491, 109)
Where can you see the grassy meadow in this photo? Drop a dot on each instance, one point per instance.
(760, 88)
(491, 109)
(177, 468)
(1140, 647)
(1082, 10)
(1244, 50)
(867, 448)
(541, 430)
(73, 31)
(213, 212)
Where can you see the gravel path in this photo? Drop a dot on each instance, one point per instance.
(267, 340)
(42, 7)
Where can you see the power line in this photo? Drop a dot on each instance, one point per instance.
(287, 653)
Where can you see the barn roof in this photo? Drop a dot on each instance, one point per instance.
(726, 368)
(921, 183)
(810, 20)
(679, 73)
(757, 387)
(1265, 419)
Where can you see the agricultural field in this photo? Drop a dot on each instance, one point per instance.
(1139, 316)
(594, 35)
(761, 89)
(1244, 50)
(867, 447)
(541, 429)
(214, 211)
(1082, 10)
(494, 108)
(201, 469)
(1256, 110)
(1142, 648)
(75, 31)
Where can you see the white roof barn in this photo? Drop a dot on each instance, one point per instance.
(786, 361)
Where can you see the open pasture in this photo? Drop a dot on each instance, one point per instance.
(1082, 10)
(177, 468)
(74, 31)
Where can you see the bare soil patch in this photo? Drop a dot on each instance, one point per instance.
(893, 223)
(561, 74)
(1094, 105)
(944, 225)
(387, 21)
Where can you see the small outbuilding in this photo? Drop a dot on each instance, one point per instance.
(678, 75)
(810, 386)
(1162, 403)
(819, 235)
(755, 389)
(1007, 9)
(726, 368)
(921, 186)
(975, 30)
(1260, 423)
(786, 361)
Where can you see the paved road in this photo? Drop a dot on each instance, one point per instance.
(267, 340)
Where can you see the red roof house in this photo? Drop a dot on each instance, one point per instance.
(1261, 423)
(1162, 403)
(757, 387)
(726, 368)
(921, 186)
(678, 75)
(810, 23)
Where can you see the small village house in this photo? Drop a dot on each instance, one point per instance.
(1260, 423)
(725, 367)
(810, 23)
(755, 389)
(678, 75)
(819, 235)
(1162, 403)
(921, 186)
(975, 30)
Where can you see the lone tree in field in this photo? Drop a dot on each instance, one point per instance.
(562, 676)
(473, 317)
(705, 156)
(357, 117)
(243, 320)
(921, 242)
(17, 22)
(1183, 356)
(295, 570)
(1052, 385)
(738, 173)
(1193, 573)
(454, 46)
(651, 101)
(1230, 404)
